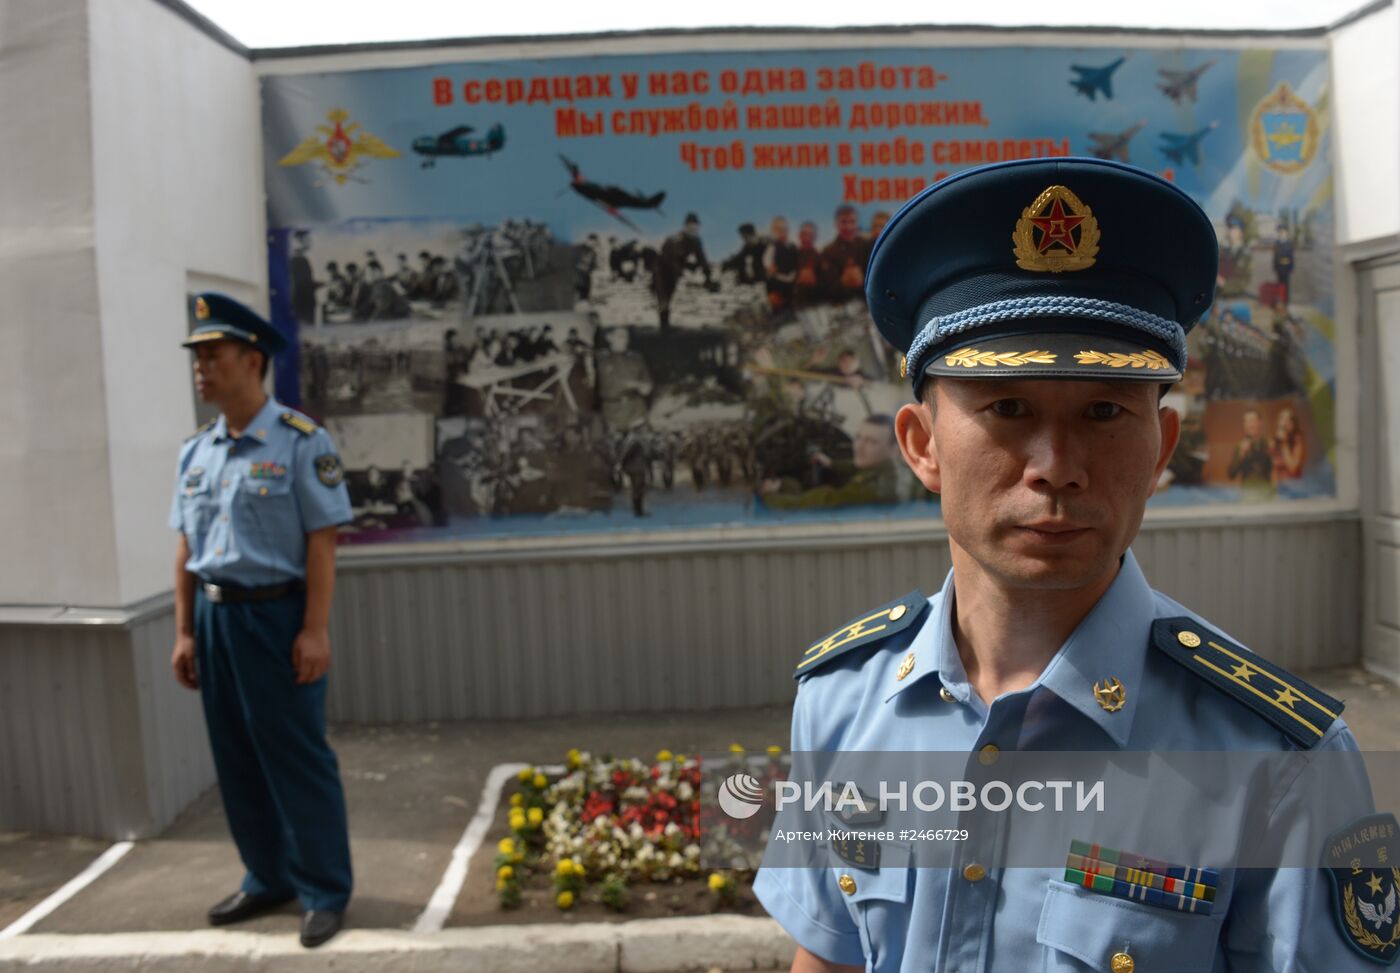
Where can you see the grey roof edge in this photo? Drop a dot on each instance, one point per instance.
(212, 30)
(206, 27)
(222, 37)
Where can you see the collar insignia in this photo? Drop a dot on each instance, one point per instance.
(1110, 694)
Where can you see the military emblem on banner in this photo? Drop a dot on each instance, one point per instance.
(1056, 233)
(1365, 886)
(1284, 131)
(339, 148)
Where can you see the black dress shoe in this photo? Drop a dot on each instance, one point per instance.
(244, 905)
(318, 925)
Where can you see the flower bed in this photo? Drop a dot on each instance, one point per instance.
(607, 838)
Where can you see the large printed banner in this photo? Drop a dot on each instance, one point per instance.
(598, 293)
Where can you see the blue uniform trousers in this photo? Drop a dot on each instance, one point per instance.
(278, 776)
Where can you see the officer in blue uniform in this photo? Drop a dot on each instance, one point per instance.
(1043, 307)
(258, 495)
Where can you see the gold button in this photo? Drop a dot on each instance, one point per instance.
(218, 551)
(1122, 963)
(897, 612)
(945, 695)
(262, 492)
(1189, 639)
(988, 754)
(848, 884)
(906, 667)
(974, 872)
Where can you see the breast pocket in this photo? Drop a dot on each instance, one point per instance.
(878, 899)
(197, 508)
(1082, 930)
(269, 506)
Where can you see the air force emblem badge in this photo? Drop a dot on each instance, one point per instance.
(1366, 885)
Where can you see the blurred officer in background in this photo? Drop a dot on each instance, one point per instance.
(258, 495)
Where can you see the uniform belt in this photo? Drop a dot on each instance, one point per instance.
(222, 594)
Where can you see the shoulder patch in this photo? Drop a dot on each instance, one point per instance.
(1364, 895)
(201, 430)
(872, 627)
(300, 423)
(1301, 711)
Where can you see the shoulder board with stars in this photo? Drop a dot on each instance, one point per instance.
(201, 430)
(300, 423)
(1301, 711)
(872, 627)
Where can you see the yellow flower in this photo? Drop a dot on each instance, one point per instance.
(573, 757)
(663, 755)
(506, 846)
(516, 800)
(775, 750)
(736, 748)
(717, 882)
(680, 759)
(504, 872)
(536, 815)
(565, 867)
(517, 822)
(525, 774)
(564, 900)
(540, 782)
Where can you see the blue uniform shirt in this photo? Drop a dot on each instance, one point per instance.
(246, 504)
(968, 919)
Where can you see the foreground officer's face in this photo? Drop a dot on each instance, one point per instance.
(223, 368)
(1042, 482)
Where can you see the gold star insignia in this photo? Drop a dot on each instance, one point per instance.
(1243, 671)
(1374, 884)
(1287, 697)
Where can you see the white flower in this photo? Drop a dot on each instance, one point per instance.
(685, 792)
(692, 851)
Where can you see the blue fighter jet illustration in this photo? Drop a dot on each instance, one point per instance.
(1091, 81)
(1114, 145)
(1181, 148)
(459, 143)
(1181, 84)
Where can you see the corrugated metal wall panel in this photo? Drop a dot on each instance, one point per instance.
(96, 738)
(62, 693)
(558, 633)
(179, 765)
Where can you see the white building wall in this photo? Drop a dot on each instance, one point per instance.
(55, 508)
(177, 170)
(1366, 120)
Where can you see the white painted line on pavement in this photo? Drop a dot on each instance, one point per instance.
(445, 895)
(71, 888)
